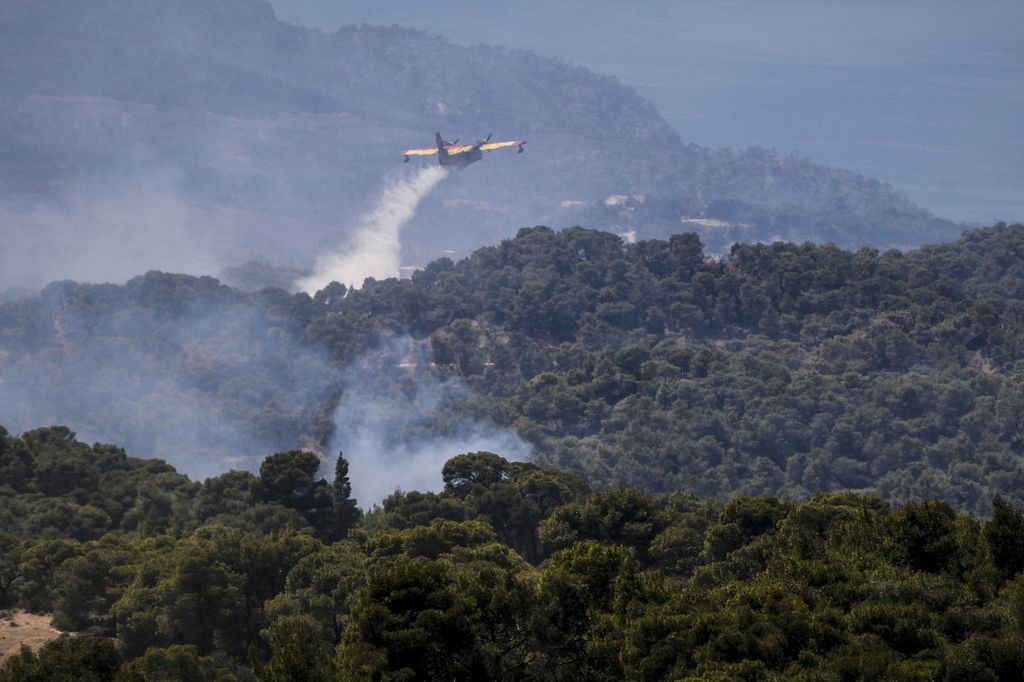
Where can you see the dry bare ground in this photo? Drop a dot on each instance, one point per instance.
(20, 627)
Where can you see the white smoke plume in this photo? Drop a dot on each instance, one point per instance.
(374, 249)
(398, 423)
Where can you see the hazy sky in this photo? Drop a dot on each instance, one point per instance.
(927, 95)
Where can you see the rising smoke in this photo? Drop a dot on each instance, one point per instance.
(374, 250)
(217, 385)
(397, 423)
(222, 383)
(227, 384)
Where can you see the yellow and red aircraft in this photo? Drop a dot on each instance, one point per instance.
(461, 155)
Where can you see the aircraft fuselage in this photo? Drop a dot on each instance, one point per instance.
(459, 160)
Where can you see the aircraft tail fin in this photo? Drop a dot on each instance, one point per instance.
(439, 140)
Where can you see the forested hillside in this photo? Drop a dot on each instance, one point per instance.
(743, 426)
(197, 135)
(172, 366)
(511, 572)
(781, 369)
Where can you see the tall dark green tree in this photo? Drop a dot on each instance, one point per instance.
(289, 479)
(299, 653)
(8, 567)
(412, 621)
(1004, 534)
(346, 509)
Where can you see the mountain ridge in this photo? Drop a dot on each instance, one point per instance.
(590, 136)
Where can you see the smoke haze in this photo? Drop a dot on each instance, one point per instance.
(108, 230)
(398, 423)
(374, 249)
(184, 369)
(214, 386)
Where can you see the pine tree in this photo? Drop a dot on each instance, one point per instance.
(346, 510)
(1004, 534)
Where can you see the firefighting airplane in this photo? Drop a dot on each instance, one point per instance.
(460, 155)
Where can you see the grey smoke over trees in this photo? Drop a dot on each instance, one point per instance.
(188, 136)
(171, 366)
(210, 379)
(398, 423)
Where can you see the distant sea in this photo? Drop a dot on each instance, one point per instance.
(927, 95)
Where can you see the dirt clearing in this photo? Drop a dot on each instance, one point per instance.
(19, 627)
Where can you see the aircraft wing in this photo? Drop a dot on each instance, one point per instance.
(460, 149)
(425, 151)
(498, 145)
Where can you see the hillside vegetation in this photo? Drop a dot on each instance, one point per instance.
(782, 369)
(512, 572)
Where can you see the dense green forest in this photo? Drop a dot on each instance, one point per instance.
(793, 462)
(780, 369)
(512, 572)
(743, 458)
